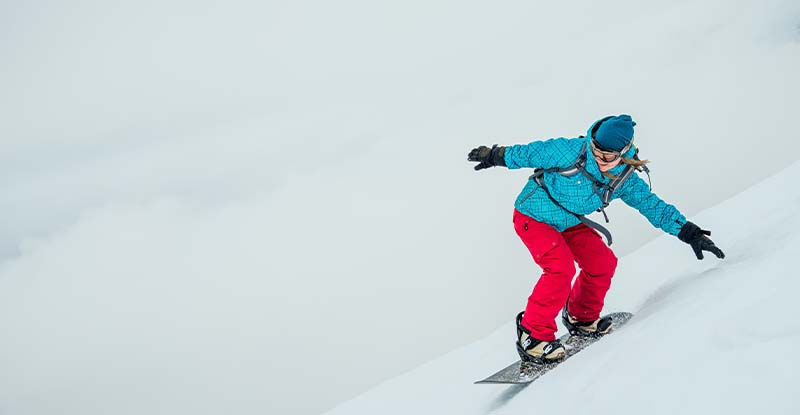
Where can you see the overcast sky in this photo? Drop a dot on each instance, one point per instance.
(267, 207)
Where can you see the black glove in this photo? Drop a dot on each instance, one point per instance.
(699, 240)
(488, 157)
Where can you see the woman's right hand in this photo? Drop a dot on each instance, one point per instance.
(488, 157)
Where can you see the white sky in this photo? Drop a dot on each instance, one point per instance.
(202, 198)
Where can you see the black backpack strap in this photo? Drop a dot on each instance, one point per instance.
(583, 219)
(629, 170)
(579, 166)
(598, 227)
(575, 167)
(645, 169)
(612, 186)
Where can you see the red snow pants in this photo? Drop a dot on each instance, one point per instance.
(556, 253)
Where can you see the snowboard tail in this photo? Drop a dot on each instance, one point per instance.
(521, 372)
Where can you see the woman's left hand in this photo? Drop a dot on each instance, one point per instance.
(699, 240)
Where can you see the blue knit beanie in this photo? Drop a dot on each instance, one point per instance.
(615, 132)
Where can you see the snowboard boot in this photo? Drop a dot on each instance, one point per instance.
(537, 351)
(595, 328)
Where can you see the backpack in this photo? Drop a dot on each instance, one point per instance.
(603, 190)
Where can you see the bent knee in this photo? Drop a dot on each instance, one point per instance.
(561, 268)
(603, 267)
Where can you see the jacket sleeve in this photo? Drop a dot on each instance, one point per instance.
(555, 152)
(637, 194)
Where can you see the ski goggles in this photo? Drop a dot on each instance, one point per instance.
(608, 156)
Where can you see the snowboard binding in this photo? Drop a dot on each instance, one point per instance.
(537, 351)
(596, 328)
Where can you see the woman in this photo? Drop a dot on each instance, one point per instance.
(573, 178)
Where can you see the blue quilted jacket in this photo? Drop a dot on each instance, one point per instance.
(576, 193)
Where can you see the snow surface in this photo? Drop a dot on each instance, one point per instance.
(715, 337)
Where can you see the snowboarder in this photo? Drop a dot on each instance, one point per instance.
(575, 177)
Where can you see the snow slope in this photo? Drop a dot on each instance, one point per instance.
(715, 337)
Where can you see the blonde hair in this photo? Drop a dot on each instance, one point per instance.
(631, 162)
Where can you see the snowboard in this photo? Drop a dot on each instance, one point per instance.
(521, 372)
